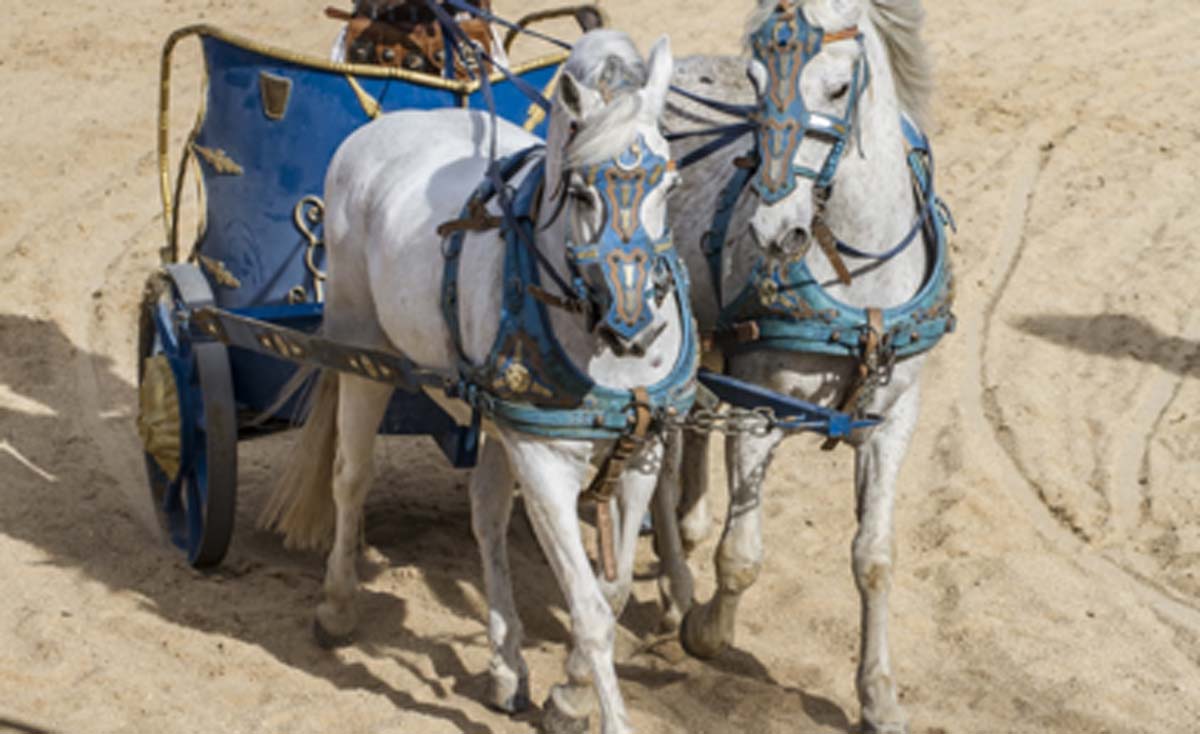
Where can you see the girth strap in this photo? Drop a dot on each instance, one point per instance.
(604, 484)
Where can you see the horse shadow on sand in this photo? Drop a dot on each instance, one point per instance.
(84, 513)
(1117, 335)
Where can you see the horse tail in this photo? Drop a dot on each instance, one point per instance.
(301, 506)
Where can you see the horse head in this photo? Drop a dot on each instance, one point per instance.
(810, 71)
(608, 172)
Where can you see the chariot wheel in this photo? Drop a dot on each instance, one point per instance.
(186, 418)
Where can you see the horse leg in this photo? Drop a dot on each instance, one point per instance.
(877, 464)
(551, 475)
(491, 508)
(709, 628)
(361, 405)
(675, 587)
(695, 521)
(636, 487)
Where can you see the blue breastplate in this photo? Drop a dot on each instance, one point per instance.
(528, 381)
(788, 310)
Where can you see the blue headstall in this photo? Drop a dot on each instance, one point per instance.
(634, 266)
(783, 45)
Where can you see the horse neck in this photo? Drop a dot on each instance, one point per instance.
(872, 206)
(692, 208)
(586, 349)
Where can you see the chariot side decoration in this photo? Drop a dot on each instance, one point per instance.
(269, 122)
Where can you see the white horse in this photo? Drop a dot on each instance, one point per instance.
(872, 206)
(389, 187)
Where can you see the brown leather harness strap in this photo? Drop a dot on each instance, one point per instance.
(868, 366)
(828, 245)
(842, 35)
(604, 484)
(478, 219)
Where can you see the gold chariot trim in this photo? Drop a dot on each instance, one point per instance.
(170, 216)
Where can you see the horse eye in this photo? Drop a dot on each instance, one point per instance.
(840, 92)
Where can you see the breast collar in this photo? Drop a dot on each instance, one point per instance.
(783, 307)
(527, 380)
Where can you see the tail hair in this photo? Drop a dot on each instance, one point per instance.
(301, 506)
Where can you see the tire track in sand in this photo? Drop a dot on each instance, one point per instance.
(987, 433)
(1130, 467)
(1029, 163)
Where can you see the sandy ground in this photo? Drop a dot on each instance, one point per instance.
(1049, 549)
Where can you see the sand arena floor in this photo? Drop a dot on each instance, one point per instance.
(1049, 550)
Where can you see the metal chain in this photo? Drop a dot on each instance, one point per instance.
(750, 421)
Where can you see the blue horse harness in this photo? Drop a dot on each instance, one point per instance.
(782, 306)
(528, 381)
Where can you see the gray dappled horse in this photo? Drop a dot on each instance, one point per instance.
(829, 165)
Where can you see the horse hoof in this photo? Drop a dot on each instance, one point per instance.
(517, 702)
(897, 725)
(557, 721)
(692, 638)
(329, 640)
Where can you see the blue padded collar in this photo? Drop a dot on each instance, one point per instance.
(790, 311)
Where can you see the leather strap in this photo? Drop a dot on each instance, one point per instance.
(828, 245)
(868, 366)
(604, 484)
(478, 219)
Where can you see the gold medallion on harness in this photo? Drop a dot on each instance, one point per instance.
(517, 378)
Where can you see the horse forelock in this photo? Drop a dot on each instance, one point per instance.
(607, 133)
(607, 62)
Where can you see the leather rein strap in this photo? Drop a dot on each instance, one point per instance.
(604, 484)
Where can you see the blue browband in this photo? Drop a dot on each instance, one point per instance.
(528, 381)
(783, 307)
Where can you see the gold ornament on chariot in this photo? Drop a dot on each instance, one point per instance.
(275, 91)
(220, 272)
(517, 378)
(158, 421)
(219, 160)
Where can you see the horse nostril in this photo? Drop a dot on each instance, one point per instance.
(797, 240)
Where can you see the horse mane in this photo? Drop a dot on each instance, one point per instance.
(607, 62)
(899, 24)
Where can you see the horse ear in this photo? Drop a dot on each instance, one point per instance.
(661, 66)
(577, 100)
